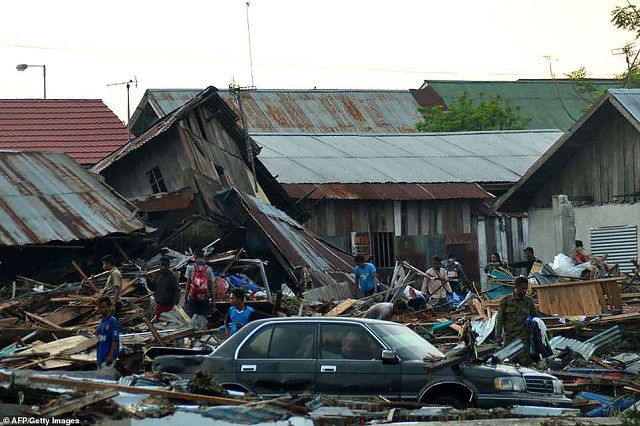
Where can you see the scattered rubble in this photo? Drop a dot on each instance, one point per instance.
(48, 347)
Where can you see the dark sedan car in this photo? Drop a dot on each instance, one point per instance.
(359, 358)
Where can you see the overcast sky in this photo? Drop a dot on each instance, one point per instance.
(329, 44)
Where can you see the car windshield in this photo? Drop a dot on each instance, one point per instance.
(407, 344)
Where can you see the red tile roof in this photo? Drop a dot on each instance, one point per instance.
(86, 129)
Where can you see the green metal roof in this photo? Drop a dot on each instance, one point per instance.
(551, 105)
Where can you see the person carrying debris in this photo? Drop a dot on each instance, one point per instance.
(512, 316)
(436, 284)
(113, 280)
(457, 278)
(530, 259)
(238, 315)
(386, 310)
(366, 276)
(108, 334)
(200, 292)
(166, 291)
(495, 263)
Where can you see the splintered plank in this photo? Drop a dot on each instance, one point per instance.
(92, 385)
(42, 320)
(78, 403)
(341, 308)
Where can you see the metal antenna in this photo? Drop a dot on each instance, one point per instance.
(249, 37)
(128, 84)
(236, 92)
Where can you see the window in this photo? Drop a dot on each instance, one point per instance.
(383, 251)
(156, 180)
(292, 341)
(341, 341)
(258, 346)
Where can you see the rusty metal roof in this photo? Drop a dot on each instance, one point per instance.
(387, 191)
(294, 246)
(471, 157)
(47, 196)
(304, 111)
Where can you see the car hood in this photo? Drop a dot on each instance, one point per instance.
(505, 370)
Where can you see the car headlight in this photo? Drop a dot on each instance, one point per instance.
(509, 384)
(558, 389)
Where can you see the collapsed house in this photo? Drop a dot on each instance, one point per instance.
(173, 171)
(375, 186)
(51, 204)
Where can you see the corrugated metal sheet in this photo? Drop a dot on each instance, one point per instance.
(387, 191)
(49, 197)
(296, 246)
(545, 101)
(418, 158)
(309, 111)
(620, 243)
(630, 100)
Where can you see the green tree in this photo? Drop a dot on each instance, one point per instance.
(463, 114)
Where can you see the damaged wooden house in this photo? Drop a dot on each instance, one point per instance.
(195, 176)
(53, 212)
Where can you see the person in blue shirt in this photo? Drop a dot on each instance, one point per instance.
(108, 334)
(366, 276)
(239, 314)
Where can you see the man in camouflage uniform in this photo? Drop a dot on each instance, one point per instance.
(512, 317)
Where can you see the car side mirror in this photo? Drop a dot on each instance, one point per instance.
(387, 355)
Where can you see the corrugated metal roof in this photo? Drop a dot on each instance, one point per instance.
(297, 246)
(624, 101)
(630, 100)
(545, 101)
(307, 111)
(86, 129)
(418, 158)
(49, 197)
(387, 191)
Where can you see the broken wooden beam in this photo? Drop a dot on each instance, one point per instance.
(42, 320)
(78, 403)
(341, 308)
(92, 385)
(154, 331)
(85, 277)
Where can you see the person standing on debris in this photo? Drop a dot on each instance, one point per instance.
(386, 310)
(238, 315)
(436, 284)
(113, 280)
(108, 332)
(530, 259)
(200, 292)
(512, 316)
(166, 290)
(366, 276)
(455, 273)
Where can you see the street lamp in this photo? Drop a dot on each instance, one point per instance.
(22, 67)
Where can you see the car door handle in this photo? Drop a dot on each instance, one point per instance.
(249, 367)
(327, 368)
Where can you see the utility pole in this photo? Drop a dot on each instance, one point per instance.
(236, 92)
(128, 84)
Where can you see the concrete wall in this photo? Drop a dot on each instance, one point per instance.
(541, 226)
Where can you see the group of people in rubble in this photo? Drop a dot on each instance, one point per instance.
(200, 298)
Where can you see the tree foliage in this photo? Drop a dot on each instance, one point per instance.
(463, 114)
